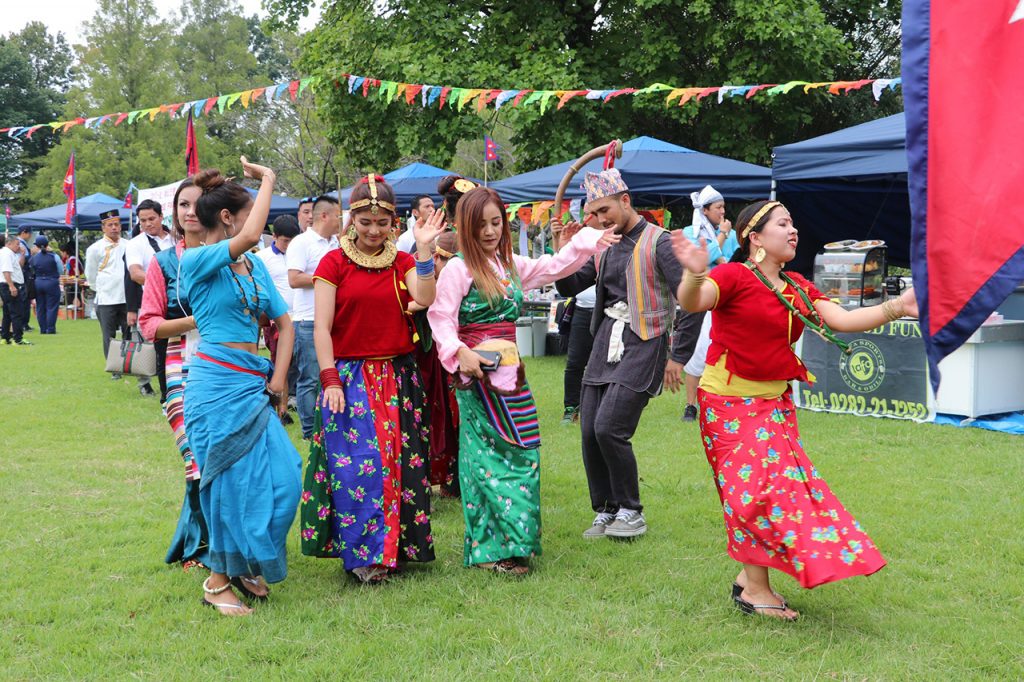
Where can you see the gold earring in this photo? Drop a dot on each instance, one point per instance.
(760, 254)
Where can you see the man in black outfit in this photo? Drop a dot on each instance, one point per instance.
(636, 280)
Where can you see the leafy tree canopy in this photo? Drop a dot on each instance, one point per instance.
(570, 44)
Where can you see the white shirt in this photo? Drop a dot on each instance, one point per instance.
(138, 250)
(277, 265)
(304, 254)
(407, 241)
(587, 298)
(10, 262)
(104, 271)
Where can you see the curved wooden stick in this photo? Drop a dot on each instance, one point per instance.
(594, 153)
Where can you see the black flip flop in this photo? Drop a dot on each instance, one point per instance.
(752, 609)
(240, 585)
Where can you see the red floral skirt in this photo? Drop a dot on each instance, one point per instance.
(778, 510)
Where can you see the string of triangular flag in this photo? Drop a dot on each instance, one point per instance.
(455, 97)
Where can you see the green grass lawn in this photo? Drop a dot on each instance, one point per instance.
(92, 485)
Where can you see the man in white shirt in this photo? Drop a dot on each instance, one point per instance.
(422, 208)
(12, 292)
(104, 273)
(153, 237)
(304, 254)
(286, 228)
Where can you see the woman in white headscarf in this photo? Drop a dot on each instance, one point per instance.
(709, 223)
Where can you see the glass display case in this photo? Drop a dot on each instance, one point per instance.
(852, 273)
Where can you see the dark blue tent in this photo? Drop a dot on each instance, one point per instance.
(279, 205)
(89, 209)
(658, 174)
(850, 184)
(408, 182)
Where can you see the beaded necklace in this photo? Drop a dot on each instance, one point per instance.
(815, 323)
(254, 313)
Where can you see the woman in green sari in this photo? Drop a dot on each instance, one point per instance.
(479, 298)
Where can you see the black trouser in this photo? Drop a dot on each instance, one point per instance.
(160, 345)
(113, 318)
(609, 415)
(13, 324)
(581, 341)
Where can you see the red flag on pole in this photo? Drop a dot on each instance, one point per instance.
(128, 198)
(69, 191)
(191, 150)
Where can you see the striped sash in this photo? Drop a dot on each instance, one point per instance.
(514, 417)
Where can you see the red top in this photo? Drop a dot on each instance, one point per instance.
(369, 307)
(754, 328)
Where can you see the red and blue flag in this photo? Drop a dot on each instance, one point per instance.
(490, 149)
(963, 88)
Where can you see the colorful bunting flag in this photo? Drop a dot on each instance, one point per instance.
(456, 97)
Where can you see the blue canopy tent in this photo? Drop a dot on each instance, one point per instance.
(408, 182)
(658, 174)
(279, 205)
(850, 184)
(89, 209)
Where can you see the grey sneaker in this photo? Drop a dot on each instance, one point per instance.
(627, 524)
(596, 530)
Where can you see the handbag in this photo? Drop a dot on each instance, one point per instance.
(131, 356)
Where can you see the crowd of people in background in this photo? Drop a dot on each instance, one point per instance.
(33, 277)
(399, 351)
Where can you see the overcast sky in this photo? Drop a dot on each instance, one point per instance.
(67, 15)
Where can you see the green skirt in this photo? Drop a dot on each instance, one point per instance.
(500, 485)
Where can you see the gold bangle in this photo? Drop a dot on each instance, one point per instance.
(693, 280)
(891, 311)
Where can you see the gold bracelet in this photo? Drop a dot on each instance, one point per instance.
(693, 280)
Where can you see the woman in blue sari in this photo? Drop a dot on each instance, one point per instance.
(250, 471)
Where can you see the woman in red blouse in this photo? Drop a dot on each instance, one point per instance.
(366, 497)
(779, 512)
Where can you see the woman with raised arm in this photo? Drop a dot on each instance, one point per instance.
(165, 314)
(250, 471)
(439, 386)
(479, 299)
(779, 512)
(366, 498)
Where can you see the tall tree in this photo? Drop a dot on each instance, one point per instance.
(128, 63)
(35, 71)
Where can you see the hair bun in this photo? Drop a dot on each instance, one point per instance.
(208, 180)
(446, 183)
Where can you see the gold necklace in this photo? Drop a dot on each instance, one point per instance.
(378, 261)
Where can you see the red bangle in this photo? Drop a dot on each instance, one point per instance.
(329, 378)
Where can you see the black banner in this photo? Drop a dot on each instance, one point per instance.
(885, 374)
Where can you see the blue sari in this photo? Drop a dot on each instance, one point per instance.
(251, 472)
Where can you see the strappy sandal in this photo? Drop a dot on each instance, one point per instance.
(737, 590)
(370, 575)
(213, 605)
(243, 582)
(188, 565)
(753, 609)
(509, 567)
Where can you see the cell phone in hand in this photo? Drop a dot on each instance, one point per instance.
(491, 356)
